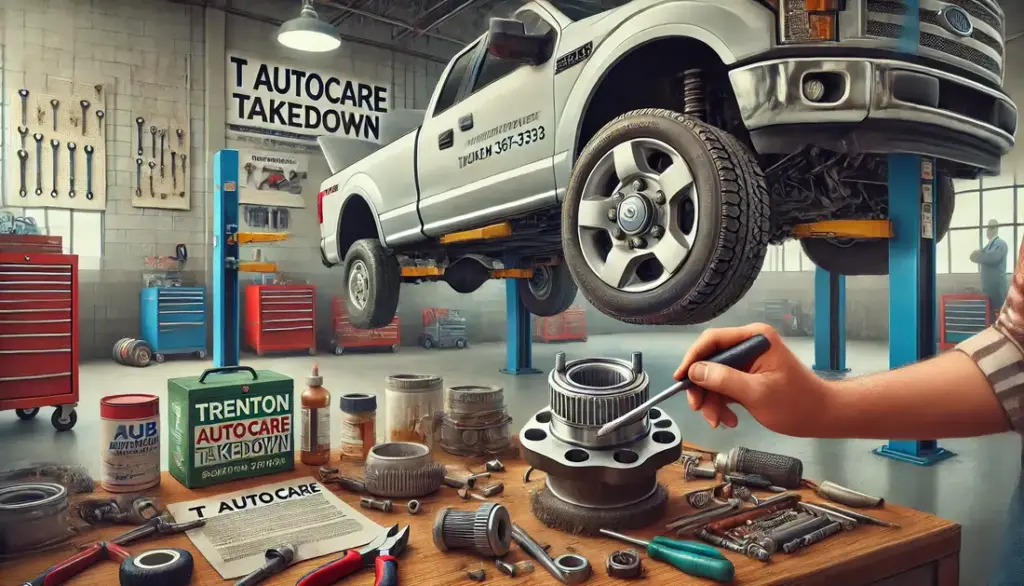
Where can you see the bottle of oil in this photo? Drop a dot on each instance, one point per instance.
(316, 421)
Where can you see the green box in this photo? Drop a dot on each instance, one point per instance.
(230, 423)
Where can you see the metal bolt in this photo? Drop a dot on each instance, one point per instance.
(617, 234)
(637, 242)
(611, 214)
(505, 568)
(372, 503)
(619, 196)
(471, 480)
(493, 489)
(454, 482)
(657, 231)
(659, 198)
(477, 575)
(639, 184)
(494, 466)
(464, 494)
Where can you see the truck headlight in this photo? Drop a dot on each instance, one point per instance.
(807, 21)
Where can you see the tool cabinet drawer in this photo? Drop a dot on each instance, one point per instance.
(280, 318)
(38, 328)
(173, 320)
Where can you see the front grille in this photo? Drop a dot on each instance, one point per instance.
(882, 13)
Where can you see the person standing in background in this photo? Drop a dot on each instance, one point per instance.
(992, 261)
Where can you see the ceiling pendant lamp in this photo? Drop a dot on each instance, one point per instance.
(308, 32)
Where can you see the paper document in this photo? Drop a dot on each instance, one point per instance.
(241, 526)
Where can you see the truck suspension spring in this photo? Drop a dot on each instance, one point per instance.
(694, 101)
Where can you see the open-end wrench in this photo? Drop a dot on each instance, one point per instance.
(138, 177)
(39, 162)
(23, 163)
(88, 171)
(139, 122)
(24, 106)
(56, 149)
(23, 132)
(174, 173)
(85, 110)
(163, 134)
(54, 104)
(181, 137)
(152, 142)
(182, 158)
(99, 121)
(152, 166)
(71, 168)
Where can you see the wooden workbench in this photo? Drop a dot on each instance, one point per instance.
(923, 551)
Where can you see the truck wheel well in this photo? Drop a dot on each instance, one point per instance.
(644, 78)
(355, 223)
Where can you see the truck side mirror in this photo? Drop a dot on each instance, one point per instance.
(507, 39)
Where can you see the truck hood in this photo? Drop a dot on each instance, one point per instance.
(342, 151)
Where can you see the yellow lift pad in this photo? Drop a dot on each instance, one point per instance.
(845, 229)
(255, 237)
(501, 230)
(437, 272)
(257, 266)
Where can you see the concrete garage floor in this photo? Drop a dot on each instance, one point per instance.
(972, 489)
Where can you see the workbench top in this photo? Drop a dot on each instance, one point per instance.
(923, 551)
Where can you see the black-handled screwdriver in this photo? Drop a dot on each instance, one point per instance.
(741, 357)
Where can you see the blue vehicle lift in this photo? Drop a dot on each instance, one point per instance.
(518, 336)
(829, 324)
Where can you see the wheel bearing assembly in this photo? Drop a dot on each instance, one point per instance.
(402, 470)
(608, 481)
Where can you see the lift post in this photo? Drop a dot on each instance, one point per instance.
(829, 324)
(518, 337)
(226, 297)
(912, 289)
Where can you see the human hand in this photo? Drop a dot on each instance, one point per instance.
(974, 255)
(780, 392)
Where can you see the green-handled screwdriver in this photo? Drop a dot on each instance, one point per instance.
(691, 557)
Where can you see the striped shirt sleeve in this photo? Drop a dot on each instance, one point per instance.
(999, 350)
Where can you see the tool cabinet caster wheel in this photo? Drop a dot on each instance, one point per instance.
(201, 354)
(312, 351)
(338, 350)
(460, 343)
(27, 414)
(65, 425)
(394, 347)
(159, 358)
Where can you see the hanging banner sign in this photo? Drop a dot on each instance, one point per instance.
(300, 104)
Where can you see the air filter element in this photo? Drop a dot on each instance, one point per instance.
(487, 531)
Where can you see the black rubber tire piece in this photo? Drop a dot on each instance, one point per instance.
(558, 296)
(385, 278)
(871, 257)
(730, 245)
(157, 567)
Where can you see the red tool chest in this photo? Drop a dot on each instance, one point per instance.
(568, 326)
(280, 318)
(38, 332)
(347, 337)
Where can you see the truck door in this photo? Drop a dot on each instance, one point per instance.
(498, 163)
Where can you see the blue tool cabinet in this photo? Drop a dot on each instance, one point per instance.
(173, 320)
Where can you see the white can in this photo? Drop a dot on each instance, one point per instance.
(414, 404)
(131, 442)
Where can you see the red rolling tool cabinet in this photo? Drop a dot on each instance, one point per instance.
(280, 318)
(568, 326)
(39, 335)
(347, 337)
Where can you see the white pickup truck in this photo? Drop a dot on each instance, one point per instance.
(650, 150)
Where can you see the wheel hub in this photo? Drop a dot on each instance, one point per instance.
(358, 285)
(635, 214)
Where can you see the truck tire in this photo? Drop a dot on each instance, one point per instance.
(372, 282)
(871, 257)
(687, 240)
(549, 292)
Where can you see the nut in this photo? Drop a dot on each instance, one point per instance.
(494, 466)
(624, 564)
(477, 575)
(576, 568)
(413, 507)
(506, 568)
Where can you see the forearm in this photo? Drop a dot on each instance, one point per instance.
(946, 396)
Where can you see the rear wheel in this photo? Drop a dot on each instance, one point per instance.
(665, 219)
(372, 279)
(550, 290)
(871, 257)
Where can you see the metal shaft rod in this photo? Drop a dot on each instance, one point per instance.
(626, 538)
(523, 539)
(861, 517)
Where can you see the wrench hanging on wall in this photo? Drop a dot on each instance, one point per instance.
(152, 166)
(163, 133)
(140, 121)
(71, 169)
(183, 159)
(85, 118)
(54, 104)
(24, 106)
(174, 173)
(39, 162)
(88, 171)
(152, 142)
(22, 164)
(56, 159)
(99, 121)
(23, 132)
(181, 137)
(138, 177)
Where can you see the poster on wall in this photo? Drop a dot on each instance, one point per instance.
(300, 104)
(272, 179)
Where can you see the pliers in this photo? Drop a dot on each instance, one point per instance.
(381, 553)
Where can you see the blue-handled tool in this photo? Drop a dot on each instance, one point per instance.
(690, 557)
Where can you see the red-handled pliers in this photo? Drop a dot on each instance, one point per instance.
(381, 553)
